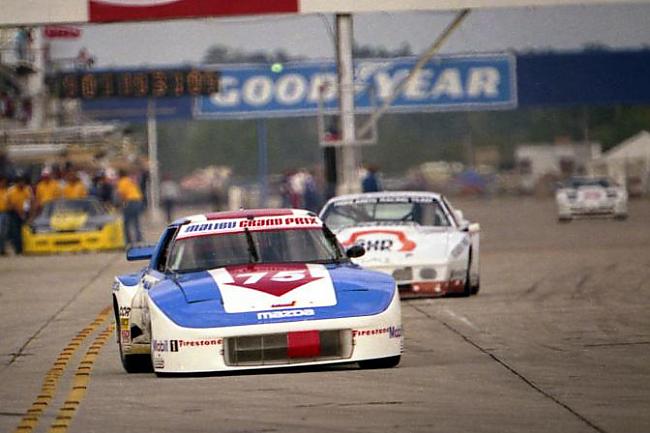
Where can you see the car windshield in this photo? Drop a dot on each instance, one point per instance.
(90, 207)
(427, 212)
(578, 182)
(270, 246)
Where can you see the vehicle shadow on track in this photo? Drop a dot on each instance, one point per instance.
(268, 371)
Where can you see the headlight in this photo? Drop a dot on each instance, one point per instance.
(428, 273)
(92, 227)
(40, 229)
(403, 274)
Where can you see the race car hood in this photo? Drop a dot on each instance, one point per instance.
(270, 293)
(401, 244)
(68, 221)
(71, 221)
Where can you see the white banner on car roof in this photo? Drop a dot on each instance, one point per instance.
(225, 226)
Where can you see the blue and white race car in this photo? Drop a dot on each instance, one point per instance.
(253, 289)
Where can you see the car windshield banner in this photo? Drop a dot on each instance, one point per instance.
(445, 83)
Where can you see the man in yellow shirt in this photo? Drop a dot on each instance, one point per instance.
(74, 187)
(19, 198)
(4, 215)
(130, 196)
(47, 190)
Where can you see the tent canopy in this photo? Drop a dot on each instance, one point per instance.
(635, 147)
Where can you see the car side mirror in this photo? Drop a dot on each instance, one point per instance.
(466, 226)
(144, 252)
(355, 251)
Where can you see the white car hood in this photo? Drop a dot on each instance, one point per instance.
(401, 245)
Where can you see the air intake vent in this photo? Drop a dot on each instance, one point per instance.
(288, 348)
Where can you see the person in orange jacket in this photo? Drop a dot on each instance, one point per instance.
(47, 190)
(74, 187)
(19, 198)
(4, 214)
(130, 196)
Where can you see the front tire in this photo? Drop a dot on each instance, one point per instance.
(372, 364)
(132, 363)
(468, 290)
(476, 287)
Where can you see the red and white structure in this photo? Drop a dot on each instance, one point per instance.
(34, 12)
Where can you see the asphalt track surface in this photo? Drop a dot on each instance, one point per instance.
(558, 340)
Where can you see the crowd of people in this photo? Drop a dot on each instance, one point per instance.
(21, 200)
(303, 189)
(299, 190)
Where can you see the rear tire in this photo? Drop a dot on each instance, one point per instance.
(372, 364)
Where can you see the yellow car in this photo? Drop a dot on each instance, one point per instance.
(72, 226)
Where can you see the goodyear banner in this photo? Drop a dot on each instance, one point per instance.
(483, 82)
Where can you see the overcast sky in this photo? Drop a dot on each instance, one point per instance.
(174, 42)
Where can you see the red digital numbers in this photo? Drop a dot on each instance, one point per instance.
(134, 84)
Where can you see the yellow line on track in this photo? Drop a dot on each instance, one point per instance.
(80, 383)
(52, 377)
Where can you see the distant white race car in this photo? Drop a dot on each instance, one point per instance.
(417, 237)
(590, 196)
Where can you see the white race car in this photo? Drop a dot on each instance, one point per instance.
(253, 289)
(417, 237)
(590, 196)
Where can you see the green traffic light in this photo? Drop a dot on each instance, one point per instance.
(277, 68)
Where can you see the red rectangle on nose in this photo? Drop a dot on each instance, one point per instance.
(304, 344)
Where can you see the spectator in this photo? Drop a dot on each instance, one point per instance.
(6, 167)
(84, 59)
(130, 197)
(74, 188)
(285, 189)
(47, 189)
(370, 182)
(297, 188)
(4, 215)
(311, 196)
(169, 194)
(19, 197)
(143, 183)
(22, 43)
(102, 189)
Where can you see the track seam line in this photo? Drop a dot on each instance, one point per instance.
(523, 378)
(56, 314)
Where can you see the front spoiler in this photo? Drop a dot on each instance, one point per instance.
(202, 350)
